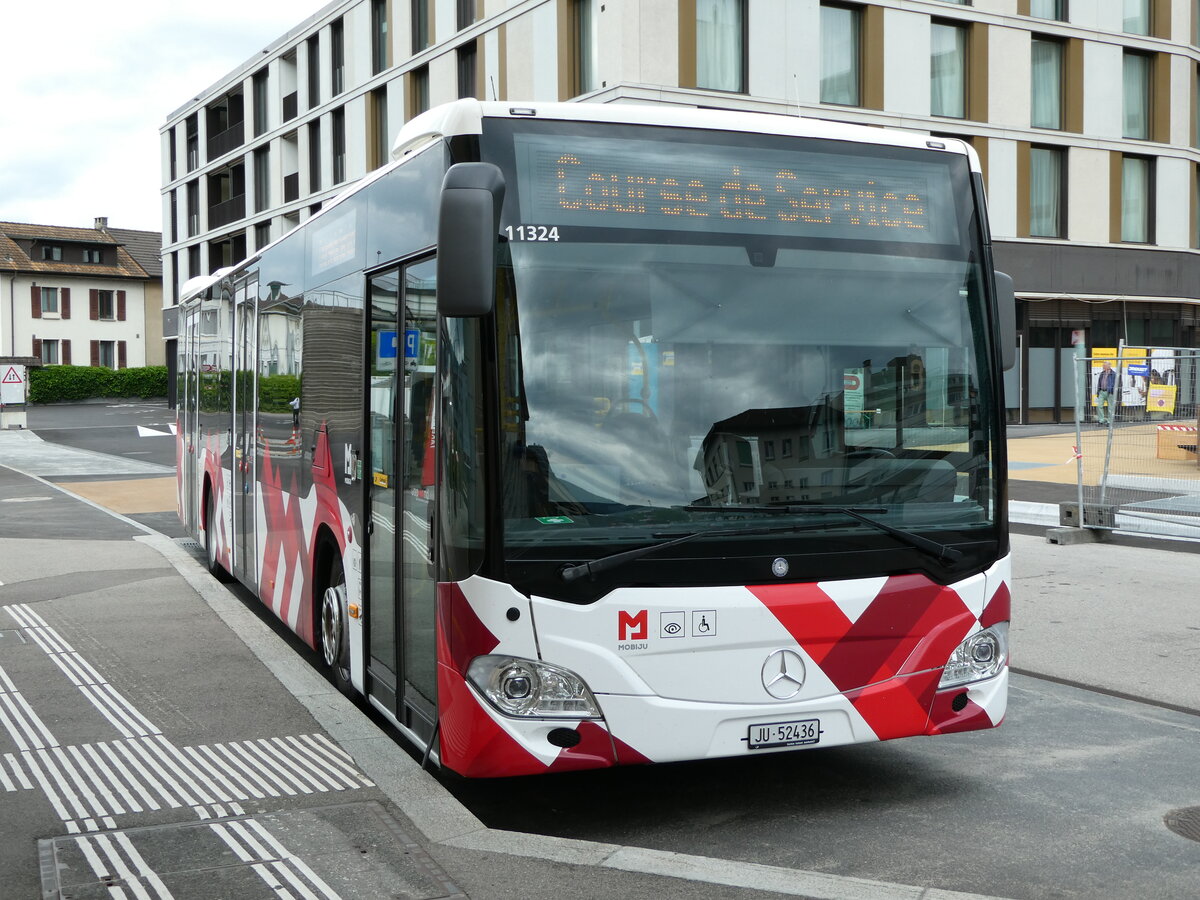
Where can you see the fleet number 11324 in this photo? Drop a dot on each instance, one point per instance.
(532, 232)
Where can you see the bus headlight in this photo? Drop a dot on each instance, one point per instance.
(980, 656)
(527, 688)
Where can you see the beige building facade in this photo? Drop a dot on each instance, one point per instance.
(1083, 113)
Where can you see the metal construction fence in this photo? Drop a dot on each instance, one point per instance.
(1136, 442)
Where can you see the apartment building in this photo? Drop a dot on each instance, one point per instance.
(80, 296)
(1083, 113)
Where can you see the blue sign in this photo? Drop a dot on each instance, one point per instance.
(1138, 370)
(387, 345)
(412, 343)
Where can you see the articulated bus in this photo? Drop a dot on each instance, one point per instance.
(587, 435)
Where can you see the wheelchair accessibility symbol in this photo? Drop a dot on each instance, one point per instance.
(704, 622)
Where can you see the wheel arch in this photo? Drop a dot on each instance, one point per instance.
(325, 550)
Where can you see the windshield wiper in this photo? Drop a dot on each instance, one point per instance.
(604, 563)
(943, 553)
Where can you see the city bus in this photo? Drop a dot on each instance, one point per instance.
(584, 435)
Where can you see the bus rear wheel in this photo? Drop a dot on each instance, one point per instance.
(332, 625)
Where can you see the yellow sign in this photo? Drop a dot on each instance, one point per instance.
(381, 479)
(1161, 398)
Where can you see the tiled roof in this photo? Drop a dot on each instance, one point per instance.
(143, 246)
(12, 257)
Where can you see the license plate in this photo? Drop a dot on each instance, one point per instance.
(784, 734)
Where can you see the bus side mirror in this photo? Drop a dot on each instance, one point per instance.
(468, 222)
(1006, 319)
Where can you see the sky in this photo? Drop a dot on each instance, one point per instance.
(87, 86)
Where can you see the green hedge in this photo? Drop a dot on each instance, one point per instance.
(63, 384)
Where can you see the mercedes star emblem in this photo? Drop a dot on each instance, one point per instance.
(783, 674)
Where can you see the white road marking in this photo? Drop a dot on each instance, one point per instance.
(88, 784)
(143, 869)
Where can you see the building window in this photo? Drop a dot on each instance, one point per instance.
(50, 355)
(1137, 176)
(420, 26)
(107, 354)
(466, 57)
(92, 255)
(193, 207)
(1046, 82)
(337, 58)
(192, 128)
(587, 55)
(1136, 77)
(1046, 192)
(418, 87)
(840, 30)
(466, 13)
(262, 179)
(338, 122)
(1137, 17)
(262, 235)
(948, 70)
(314, 156)
(313, 56)
(380, 146)
(105, 307)
(289, 102)
(1048, 9)
(52, 253)
(380, 55)
(49, 301)
(260, 102)
(721, 45)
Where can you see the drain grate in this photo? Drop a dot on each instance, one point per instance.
(1184, 822)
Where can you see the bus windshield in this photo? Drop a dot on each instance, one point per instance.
(778, 323)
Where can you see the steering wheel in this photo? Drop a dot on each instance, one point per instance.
(871, 453)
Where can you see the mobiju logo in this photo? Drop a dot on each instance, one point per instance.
(633, 626)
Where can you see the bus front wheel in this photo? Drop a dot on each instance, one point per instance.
(332, 625)
(210, 541)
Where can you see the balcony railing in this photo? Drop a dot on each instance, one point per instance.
(231, 137)
(227, 211)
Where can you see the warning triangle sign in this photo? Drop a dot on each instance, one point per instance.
(12, 376)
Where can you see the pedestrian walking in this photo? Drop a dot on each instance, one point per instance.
(1106, 384)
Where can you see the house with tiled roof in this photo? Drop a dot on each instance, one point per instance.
(80, 296)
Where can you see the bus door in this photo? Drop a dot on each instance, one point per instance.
(186, 411)
(400, 485)
(245, 367)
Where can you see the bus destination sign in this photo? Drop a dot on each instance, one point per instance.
(604, 182)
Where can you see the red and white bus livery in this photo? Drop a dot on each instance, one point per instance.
(584, 435)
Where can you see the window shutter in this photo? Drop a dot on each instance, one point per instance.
(121, 354)
(120, 306)
(37, 345)
(66, 352)
(93, 304)
(95, 353)
(35, 294)
(65, 303)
